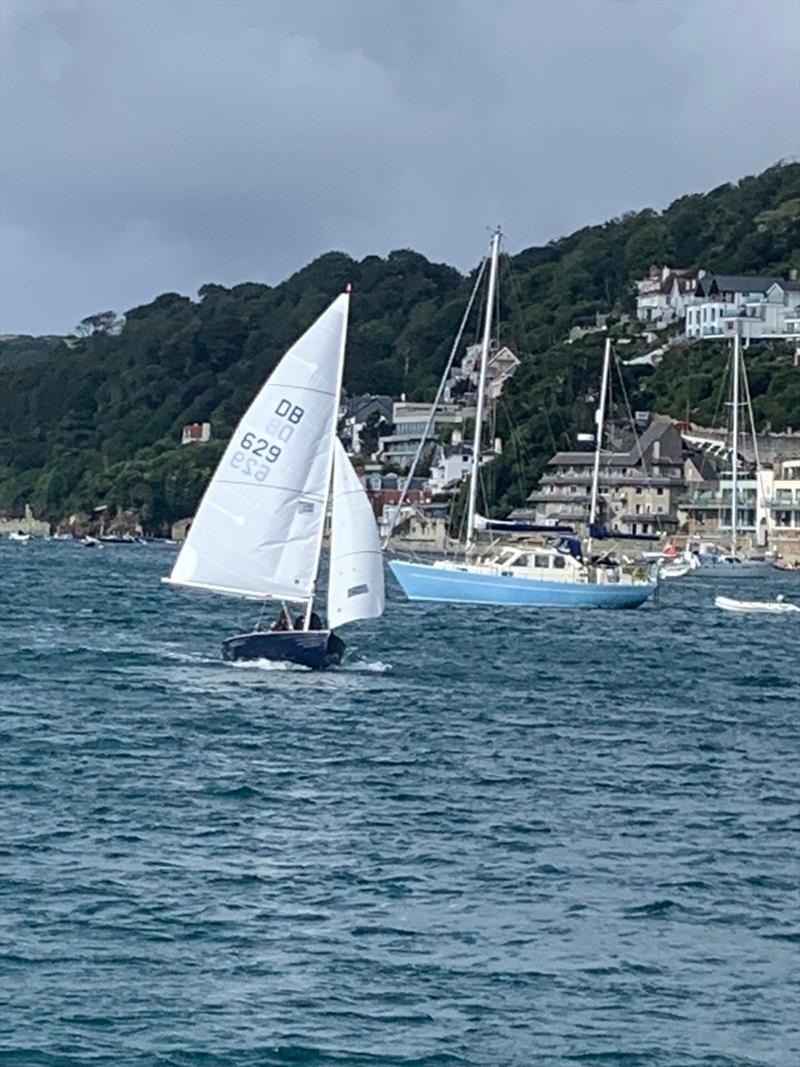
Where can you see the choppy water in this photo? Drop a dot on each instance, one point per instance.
(496, 839)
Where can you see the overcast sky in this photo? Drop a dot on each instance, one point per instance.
(150, 146)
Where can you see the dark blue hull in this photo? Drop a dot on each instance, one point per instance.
(316, 649)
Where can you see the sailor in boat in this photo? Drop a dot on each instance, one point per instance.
(670, 550)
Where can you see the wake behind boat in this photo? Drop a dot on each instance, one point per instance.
(259, 528)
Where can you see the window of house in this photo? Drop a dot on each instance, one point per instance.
(638, 491)
(660, 492)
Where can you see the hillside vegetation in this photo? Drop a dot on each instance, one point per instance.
(99, 422)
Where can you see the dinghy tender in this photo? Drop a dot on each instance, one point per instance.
(779, 606)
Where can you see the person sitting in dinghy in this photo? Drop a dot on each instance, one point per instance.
(283, 622)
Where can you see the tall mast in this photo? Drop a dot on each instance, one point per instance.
(599, 418)
(329, 480)
(735, 455)
(487, 337)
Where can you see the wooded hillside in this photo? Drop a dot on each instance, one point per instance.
(99, 421)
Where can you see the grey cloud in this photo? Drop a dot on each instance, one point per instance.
(149, 146)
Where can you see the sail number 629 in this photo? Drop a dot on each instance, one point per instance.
(280, 426)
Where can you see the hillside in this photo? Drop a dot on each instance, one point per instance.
(99, 421)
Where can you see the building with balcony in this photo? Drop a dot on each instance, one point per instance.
(753, 307)
(409, 423)
(638, 490)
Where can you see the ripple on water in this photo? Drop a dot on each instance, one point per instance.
(487, 838)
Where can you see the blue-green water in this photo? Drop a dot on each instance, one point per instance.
(496, 839)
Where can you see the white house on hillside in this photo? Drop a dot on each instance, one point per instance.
(751, 306)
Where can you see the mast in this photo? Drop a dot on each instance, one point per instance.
(487, 336)
(599, 418)
(735, 456)
(329, 480)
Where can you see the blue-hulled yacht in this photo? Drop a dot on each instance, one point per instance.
(558, 574)
(542, 576)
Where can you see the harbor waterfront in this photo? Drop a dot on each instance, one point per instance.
(536, 837)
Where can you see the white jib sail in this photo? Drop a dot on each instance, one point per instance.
(355, 582)
(259, 526)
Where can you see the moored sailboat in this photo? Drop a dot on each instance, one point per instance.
(713, 562)
(556, 574)
(259, 529)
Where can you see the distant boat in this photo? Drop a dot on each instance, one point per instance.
(122, 539)
(91, 542)
(20, 537)
(258, 531)
(779, 606)
(677, 566)
(713, 562)
(559, 574)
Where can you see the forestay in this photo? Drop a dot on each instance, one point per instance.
(258, 529)
(355, 582)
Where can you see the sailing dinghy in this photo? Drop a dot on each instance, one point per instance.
(778, 606)
(258, 531)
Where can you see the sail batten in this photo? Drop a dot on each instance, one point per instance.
(257, 531)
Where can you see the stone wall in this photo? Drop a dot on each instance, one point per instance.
(24, 524)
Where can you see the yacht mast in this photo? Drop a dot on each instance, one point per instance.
(599, 418)
(487, 337)
(735, 455)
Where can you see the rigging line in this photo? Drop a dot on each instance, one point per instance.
(759, 482)
(436, 402)
(723, 392)
(520, 318)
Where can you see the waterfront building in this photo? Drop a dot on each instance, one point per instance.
(639, 488)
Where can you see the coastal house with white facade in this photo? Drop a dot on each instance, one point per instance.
(661, 297)
(751, 306)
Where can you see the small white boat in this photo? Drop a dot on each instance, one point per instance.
(677, 566)
(91, 542)
(779, 606)
(23, 538)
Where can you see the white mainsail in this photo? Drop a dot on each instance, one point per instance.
(258, 530)
(355, 581)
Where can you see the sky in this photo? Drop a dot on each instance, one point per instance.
(152, 145)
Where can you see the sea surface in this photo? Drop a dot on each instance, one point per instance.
(494, 838)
